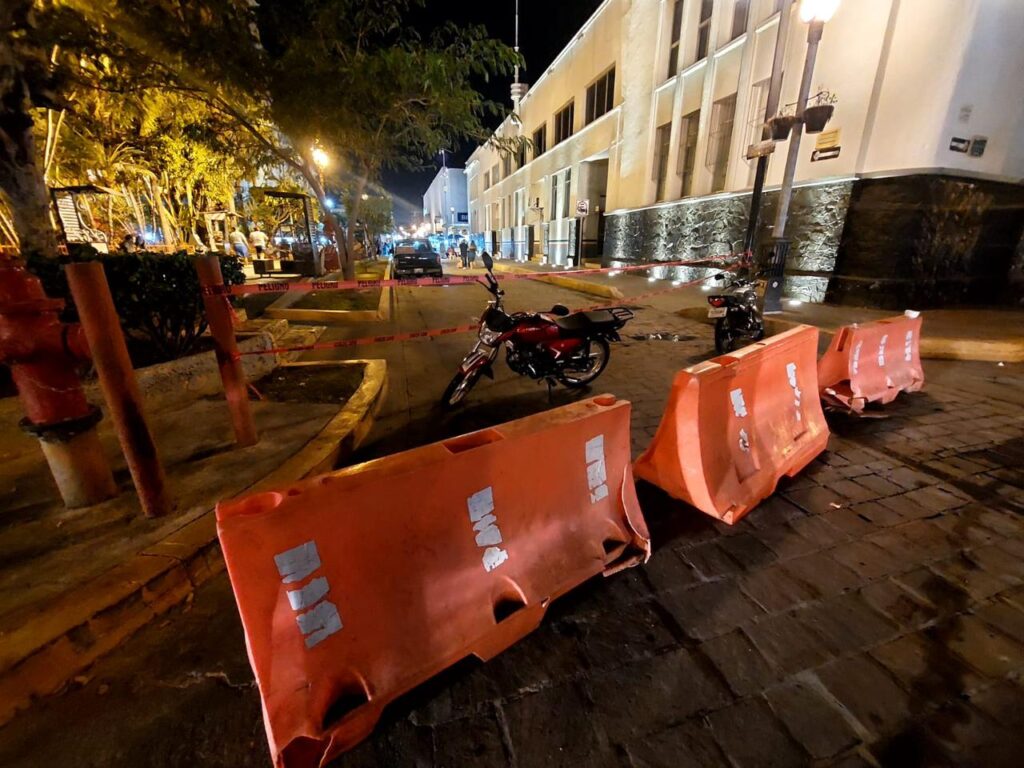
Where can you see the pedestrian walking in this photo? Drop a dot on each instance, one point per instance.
(464, 254)
(472, 254)
(238, 244)
(258, 240)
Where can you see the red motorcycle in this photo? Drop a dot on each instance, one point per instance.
(557, 345)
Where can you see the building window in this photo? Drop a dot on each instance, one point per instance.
(564, 200)
(540, 141)
(495, 178)
(688, 149)
(704, 28)
(758, 107)
(506, 165)
(521, 155)
(673, 48)
(740, 11)
(520, 207)
(487, 179)
(723, 116)
(662, 138)
(564, 122)
(601, 96)
(560, 183)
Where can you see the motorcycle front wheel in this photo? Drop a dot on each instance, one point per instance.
(582, 371)
(458, 388)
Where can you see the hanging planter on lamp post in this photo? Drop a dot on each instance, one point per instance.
(781, 125)
(817, 115)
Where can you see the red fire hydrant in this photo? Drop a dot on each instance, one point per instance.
(42, 354)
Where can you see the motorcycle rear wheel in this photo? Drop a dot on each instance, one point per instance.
(458, 388)
(725, 336)
(598, 355)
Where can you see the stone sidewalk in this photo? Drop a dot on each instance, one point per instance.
(870, 613)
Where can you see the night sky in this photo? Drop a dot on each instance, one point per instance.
(545, 27)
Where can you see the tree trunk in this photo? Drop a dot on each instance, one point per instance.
(167, 224)
(21, 178)
(353, 216)
(331, 226)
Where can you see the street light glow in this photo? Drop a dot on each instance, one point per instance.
(321, 158)
(365, 196)
(817, 10)
(329, 202)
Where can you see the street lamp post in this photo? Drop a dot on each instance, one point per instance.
(814, 13)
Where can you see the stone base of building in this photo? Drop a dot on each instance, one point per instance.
(919, 240)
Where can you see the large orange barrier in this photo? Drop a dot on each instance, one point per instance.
(357, 586)
(736, 424)
(872, 362)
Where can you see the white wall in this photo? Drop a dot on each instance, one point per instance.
(438, 201)
(902, 71)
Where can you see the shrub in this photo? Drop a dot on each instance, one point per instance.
(156, 296)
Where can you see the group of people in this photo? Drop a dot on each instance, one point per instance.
(465, 255)
(240, 244)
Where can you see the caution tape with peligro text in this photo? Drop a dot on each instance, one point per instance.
(432, 333)
(435, 282)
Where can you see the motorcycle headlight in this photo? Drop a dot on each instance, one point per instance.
(487, 336)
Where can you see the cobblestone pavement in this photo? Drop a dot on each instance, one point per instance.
(870, 613)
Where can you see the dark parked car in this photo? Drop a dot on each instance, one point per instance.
(414, 258)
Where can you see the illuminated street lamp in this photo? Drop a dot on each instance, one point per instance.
(814, 13)
(817, 10)
(321, 160)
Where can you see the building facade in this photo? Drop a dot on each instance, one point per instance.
(640, 130)
(445, 205)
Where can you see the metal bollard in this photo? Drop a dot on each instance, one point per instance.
(222, 329)
(117, 380)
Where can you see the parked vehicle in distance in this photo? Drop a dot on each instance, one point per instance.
(416, 257)
(559, 345)
(736, 314)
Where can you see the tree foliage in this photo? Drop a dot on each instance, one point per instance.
(181, 97)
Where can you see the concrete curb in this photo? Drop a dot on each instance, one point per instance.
(42, 655)
(282, 309)
(572, 283)
(931, 347)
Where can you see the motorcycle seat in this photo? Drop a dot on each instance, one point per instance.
(584, 322)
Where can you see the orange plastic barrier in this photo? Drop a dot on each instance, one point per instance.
(872, 362)
(736, 424)
(357, 586)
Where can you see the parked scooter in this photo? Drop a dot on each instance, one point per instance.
(570, 347)
(736, 314)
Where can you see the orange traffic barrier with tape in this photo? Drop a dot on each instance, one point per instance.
(356, 586)
(736, 424)
(872, 362)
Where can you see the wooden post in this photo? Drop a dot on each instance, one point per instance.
(222, 329)
(117, 380)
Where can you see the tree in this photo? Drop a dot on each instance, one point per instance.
(346, 73)
(375, 218)
(25, 82)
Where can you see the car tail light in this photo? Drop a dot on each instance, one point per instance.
(716, 301)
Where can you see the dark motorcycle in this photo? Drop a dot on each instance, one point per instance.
(571, 348)
(736, 314)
